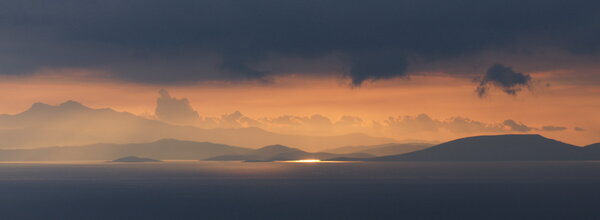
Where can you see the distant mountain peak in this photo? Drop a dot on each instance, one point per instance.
(68, 105)
(173, 141)
(72, 105)
(277, 148)
(39, 105)
(274, 147)
(37, 108)
(72, 123)
(167, 140)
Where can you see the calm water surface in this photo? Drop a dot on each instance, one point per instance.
(237, 190)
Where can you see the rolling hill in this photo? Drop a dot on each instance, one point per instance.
(496, 148)
(590, 151)
(134, 159)
(381, 149)
(282, 153)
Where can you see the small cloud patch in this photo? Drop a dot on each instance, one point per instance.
(553, 128)
(505, 78)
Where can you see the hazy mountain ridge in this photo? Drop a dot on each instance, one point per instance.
(165, 149)
(282, 153)
(498, 148)
(478, 148)
(381, 149)
(134, 159)
(72, 123)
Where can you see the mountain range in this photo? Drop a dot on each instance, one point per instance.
(165, 149)
(282, 153)
(72, 123)
(76, 125)
(381, 149)
(529, 147)
(134, 159)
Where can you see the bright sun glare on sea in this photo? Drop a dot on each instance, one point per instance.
(306, 161)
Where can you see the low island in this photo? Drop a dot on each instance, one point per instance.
(135, 159)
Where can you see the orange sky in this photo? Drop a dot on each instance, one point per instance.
(437, 95)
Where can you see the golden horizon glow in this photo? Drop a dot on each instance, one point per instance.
(439, 96)
(317, 161)
(305, 161)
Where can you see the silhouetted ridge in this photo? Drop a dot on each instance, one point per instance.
(494, 148)
(167, 149)
(277, 149)
(37, 108)
(68, 106)
(596, 145)
(72, 105)
(135, 159)
(38, 111)
(381, 149)
(39, 105)
(168, 141)
(590, 151)
(280, 153)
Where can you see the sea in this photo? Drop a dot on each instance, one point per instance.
(290, 190)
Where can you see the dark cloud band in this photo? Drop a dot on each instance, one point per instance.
(179, 41)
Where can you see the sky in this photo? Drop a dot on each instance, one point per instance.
(429, 70)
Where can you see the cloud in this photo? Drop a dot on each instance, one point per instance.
(235, 120)
(578, 129)
(230, 40)
(173, 110)
(316, 120)
(350, 121)
(424, 123)
(179, 111)
(466, 125)
(504, 78)
(375, 65)
(458, 125)
(412, 124)
(400, 126)
(553, 128)
(516, 126)
(286, 120)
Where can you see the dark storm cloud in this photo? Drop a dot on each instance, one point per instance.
(504, 78)
(177, 41)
